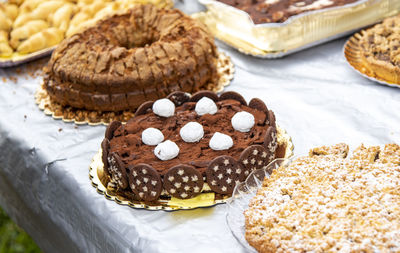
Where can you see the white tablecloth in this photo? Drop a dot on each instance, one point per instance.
(44, 183)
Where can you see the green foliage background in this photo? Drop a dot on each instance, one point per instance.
(13, 239)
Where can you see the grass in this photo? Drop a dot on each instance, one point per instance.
(13, 239)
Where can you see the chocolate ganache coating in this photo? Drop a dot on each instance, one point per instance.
(278, 11)
(130, 58)
(250, 151)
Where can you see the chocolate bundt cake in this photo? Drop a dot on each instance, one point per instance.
(130, 58)
(184, 145)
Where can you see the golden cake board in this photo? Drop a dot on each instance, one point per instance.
(352, 54)
(100, 181)
(225, 70)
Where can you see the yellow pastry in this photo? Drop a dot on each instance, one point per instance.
(5, 49)
(42, 11)
(17, 2)
(29, 5)
(22, 33)
(5, 22)
(85, 17)
(10, 10)
(76, 22)
(62, 16)
(79, 18)
(83, 3)
(75, 29)
(110, 8)
(3, 36)
(97, 10)
(93, 8)
(122, 4)
(41, 40)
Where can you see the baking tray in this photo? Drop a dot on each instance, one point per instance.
(273, 40)
(99, 181)
(18, 59)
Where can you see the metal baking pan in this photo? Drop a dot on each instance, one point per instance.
(273, 40)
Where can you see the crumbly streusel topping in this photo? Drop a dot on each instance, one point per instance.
(329, 203)
(383, 41)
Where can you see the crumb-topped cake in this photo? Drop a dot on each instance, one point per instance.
(183, 145)
(130, 58)
(329, 202)
(278, 11)
(380, 50)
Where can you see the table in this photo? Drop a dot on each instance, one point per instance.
(44, 181)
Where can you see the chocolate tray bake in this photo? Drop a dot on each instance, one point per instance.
(283, 32)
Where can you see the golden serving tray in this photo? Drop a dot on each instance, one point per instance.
(99, 181)
(352, 54)
(68, 114)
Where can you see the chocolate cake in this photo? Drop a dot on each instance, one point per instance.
(278, 11)
(184, 145)
(130, 58)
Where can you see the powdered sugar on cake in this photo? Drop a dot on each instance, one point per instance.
(327, 202)
(314, 5)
